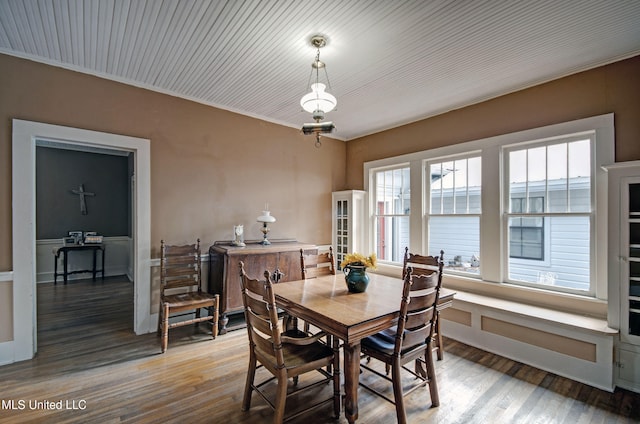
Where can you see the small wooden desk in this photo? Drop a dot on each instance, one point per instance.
(64, 250)
(326, 303)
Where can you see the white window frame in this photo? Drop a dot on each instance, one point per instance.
(591, 136)
(427, 215)
(373, 208)
(491, 221)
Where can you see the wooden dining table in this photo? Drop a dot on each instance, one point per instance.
(326, 303)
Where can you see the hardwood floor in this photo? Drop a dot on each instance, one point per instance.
(89, 359)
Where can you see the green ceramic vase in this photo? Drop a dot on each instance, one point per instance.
(356, 278)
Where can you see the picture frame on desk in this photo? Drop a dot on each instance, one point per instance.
(77, 235)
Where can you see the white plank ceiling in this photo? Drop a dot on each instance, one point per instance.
(390, 62)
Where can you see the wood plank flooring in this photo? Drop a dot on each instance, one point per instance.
(90, 360)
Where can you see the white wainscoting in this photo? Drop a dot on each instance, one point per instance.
(117, 259)
(595, 333)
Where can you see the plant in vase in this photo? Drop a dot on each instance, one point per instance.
(355, 267)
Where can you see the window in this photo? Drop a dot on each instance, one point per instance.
(514, 209)
(550, 183)
(526, 235)
(453, 218)
(392, 209)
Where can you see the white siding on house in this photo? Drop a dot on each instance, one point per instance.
(567, 263)
(456, 235)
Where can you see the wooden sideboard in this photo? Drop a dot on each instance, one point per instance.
(282, 257)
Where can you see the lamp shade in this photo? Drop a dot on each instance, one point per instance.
(266, 217)
(318, 99)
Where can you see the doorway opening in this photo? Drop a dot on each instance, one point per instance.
(25, 137)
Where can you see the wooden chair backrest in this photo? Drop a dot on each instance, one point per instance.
(261, 316)
(180, 267)
(420, 262)
(315, 265)
(418, 308)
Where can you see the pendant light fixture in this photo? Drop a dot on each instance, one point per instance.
(318, 101)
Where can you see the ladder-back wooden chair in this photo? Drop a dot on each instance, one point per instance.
(419, 262)
(283, 356)
(181, 290)
(315, 265)
(412, 340)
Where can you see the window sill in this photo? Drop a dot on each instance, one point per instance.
(527, 296)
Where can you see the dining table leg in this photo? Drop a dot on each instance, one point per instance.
(351, 380)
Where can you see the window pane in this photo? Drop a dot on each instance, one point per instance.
(566, 263)
(579, 176)
(392, 236)
(447, 182)
(392, 191)
(475, 183)
(517, 180)
(435, 175)
(455, 186)
(459, 237)
(526, 238)
(557, 174)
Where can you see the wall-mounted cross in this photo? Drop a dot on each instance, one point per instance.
(83, 204)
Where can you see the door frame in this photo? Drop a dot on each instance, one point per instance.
(25, 136)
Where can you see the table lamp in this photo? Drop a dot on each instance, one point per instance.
(265, 218)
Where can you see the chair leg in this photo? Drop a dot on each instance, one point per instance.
(281, 397)
(198, 312)
(160, 318)
(213, 311)
(439, 345)
(396, 379)
(336, 377)
(248, 387)
(431, 376)
(165, 328)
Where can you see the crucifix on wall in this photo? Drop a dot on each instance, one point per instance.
(83, 204)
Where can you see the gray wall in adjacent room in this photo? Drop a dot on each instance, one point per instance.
(59, 171)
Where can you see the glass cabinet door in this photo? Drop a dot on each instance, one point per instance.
(342, 235)
(633, 258)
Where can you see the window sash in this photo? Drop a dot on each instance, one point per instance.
(391, 211)
(537, 177)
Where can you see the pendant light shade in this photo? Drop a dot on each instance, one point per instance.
(318, 99)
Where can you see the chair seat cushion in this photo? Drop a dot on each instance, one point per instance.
(378, 342)
(184, 299)
(385, 342)
(389, 334)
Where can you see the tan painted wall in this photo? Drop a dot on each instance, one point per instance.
(613, 88)
(214, 167)
(210, 168)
